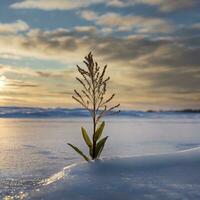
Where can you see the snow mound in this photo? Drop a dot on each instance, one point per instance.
(165, 176)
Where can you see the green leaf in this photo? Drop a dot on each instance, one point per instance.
(100, 146)
(86, 137)
(79, 152)
(91, 152)
(99, 131)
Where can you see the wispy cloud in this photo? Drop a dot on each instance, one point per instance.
(150, 66)
(20, 84)
(162, 5)
(151, 47)
(14, 27)
(89, 15)
(56, 74)
(28, 73)
(85, 29)
(37, 88)
(53, 5)
(128, 22)
(10, 56)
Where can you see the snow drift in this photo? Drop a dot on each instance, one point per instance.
(165, 176)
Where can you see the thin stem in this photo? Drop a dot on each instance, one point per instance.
(94, 116)
(92, 96)
(94, 130)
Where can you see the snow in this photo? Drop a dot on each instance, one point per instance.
(37, 156)
(154, 176)
(39, 113)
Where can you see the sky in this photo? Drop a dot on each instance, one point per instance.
(151, 47)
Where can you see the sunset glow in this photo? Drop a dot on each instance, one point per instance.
(151, 49)
(2, 82)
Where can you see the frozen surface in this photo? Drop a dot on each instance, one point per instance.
(31, 150)
(166, 176)
(32, 112)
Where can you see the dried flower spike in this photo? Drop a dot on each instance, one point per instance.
(93, 98)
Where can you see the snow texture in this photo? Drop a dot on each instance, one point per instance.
(149, 177)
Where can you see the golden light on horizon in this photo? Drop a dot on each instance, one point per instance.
(2, 82)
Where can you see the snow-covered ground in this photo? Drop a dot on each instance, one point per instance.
(165, 176)
(32, 150)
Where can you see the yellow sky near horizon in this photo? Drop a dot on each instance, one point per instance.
(151, 49)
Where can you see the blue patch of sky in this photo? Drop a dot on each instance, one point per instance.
(7, 15)
(46, 20)
(177, 17)
(35, 63)
(50, 20)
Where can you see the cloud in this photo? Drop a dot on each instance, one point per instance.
(128, 22)
(142, 68)
(18, 26)
(152, 61)
(44, 74)
(163, 5)
(85, 29)
(54, 74)
(53, 5)
(172, 5)
(38, 88)
(187, 82)
(88, 15)
(10, 56)
(66, 42)
(22, 84)
(174, 52)
(28, 73)
(163, 70)
(196, 26)
(17, 71)
(39, 44)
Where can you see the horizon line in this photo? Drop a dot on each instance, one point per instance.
(124, 109)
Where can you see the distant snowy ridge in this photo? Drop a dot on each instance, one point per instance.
(31, 112)
(163, 176)
(28, 112)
